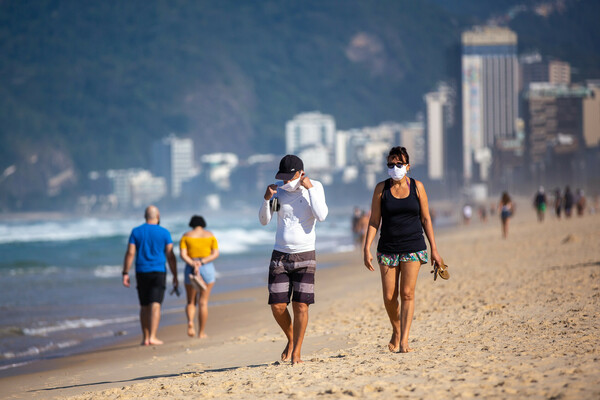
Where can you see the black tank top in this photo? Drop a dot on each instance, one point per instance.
(401, 229)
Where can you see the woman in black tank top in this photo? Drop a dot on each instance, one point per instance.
(400, 207)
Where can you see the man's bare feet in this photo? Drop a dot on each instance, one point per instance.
(394, 344)
(286, 355)
(191, 332)
(154, 342)
(405, 349)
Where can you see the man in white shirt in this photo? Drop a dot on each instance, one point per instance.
(299, 203)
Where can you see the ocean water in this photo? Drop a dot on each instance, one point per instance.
(60, 280)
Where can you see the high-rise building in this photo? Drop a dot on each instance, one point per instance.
(490, 95)
(554, 123)
(438, 119)
(534, 69)
(559, 72)
(173, 159)
(591, 115)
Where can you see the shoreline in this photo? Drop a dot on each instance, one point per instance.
(518, 318)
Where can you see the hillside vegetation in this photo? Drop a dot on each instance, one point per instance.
(90, 85)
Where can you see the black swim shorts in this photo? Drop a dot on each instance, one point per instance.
(292, 276)
(151, 287)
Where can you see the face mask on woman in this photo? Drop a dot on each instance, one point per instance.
(397, 173)
(291, 185)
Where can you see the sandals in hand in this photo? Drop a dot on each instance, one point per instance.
(441, 270)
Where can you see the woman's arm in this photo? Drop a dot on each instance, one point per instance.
(183, 253)
(214, 253)
(426, 223)
(374, 222)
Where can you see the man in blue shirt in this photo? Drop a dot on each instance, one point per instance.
(151, 246)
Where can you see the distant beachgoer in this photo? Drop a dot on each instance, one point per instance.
(401, 208)
(467, 213)
(363, 225)
(506, 208)
(569, 201)
(539, 202)
(198, 248)
(299, 203)
(355, 226)
(151, 246)
(482, 213)
(557, 202)
(581, 202)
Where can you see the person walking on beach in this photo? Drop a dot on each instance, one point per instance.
(568, 202)
(557, 202)
(580, 202)
(299, 203)
(151, 246)
(539, 202)
(198, 249)
(506, 209)
(401, 208)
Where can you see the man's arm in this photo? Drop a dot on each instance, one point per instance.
(264, 214)
(317, 200)
(172, 262)
(129, 256)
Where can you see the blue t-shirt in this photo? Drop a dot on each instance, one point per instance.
(150, 241)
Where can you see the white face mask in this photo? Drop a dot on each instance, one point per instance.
(397, 173)
(291, 185)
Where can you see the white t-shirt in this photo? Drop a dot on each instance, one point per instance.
(296, 219)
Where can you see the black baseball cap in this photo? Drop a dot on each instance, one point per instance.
(288, 166)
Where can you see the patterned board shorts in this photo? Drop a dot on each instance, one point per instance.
(393, 260)
(292, 276)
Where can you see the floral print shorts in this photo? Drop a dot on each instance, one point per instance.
(393, 260)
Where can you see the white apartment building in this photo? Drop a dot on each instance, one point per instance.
(490, 78)
(362, 152)
(173, 159)
(436, 104)
(136, 187)
(309, 129)
(218, 168)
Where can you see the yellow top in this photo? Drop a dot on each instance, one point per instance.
(198, 247)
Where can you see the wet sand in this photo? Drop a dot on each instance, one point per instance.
(518, 318)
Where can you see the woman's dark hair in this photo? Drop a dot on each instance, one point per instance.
(197, 221)
(400, 152)
(505, 198)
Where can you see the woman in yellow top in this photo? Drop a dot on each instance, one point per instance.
(198, 249)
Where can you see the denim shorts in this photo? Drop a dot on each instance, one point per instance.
(393, 260)
(207, 272)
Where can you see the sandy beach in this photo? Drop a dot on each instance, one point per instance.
(519, 318)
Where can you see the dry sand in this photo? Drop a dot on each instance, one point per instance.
(517, 319)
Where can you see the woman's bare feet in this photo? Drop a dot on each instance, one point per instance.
(202, 335)
(191, 331)
(394, 344)
(294, 362)
(286, 355)
(155, 342)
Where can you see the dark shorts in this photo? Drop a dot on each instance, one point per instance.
(151, 287)
(292, 276)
